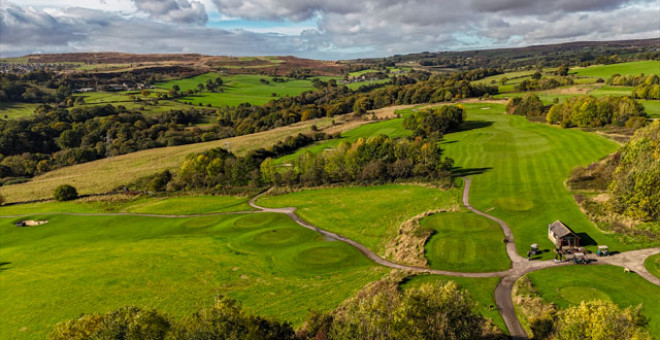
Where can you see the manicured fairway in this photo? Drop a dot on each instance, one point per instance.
(75, 265)
(481, 289)
(465, 242)
(184, 205)
(369, 215)
(570, 285)
(243, 88)
(633, 68)
(524, 166)
(653, 265)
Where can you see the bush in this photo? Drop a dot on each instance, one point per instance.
(65, 192)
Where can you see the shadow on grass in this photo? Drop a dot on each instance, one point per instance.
(586, 240)
(460, 171)
(3, 266)
(473, 125)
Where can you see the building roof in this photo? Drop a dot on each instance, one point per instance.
(560, 229)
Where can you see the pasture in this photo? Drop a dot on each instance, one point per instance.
(632, 68)
(465, 242)
(74, 265)
(16, 110)
(566, 286)
(370, 215)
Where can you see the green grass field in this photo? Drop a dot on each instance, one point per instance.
(523, 168)
(570, 285)
(633, 68)
(74, 265)
(481, 289)
(369, 215)
(184, 205)
(238, 89)
(653, 265)
(465, 242)
(16, 110)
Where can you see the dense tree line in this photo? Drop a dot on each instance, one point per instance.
(648, 89)
(55, 137)
(33, 87)
(436, 121)
(528, 105)
(635, 182)
(588, 111)
(628, 80)
(224, 320)
(382, 311)
(542, 84)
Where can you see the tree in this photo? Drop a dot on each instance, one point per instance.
(65, 192)
(562, 70)
(601, 320)
(176, 88)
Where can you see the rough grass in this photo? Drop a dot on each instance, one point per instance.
(184, 205)
(75, 265)
(513, 159)
(16, 110)
(633, 68)
(465, 242)
(653, 265)
(567, 286)
(369, 215)
(481, 289)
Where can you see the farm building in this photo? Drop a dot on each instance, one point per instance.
(562, 236)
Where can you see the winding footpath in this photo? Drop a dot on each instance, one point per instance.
(632, 260)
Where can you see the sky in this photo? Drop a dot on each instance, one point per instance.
(320, 29)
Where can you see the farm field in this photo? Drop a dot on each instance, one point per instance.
(523, 168)
(16, 110)
(265, 261)
(465, 242)
(481, 290)
(369, 215)
(184, 205)
(570, 285)
(631, 68)
(653, 265)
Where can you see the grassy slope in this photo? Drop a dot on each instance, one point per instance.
(16, 110)
(465, 242)
(632, 68)
(482, 292)
(653, 265)
(184, 205)
(243, 88)
(527, 165)
(567, 286)
(369, 215)
(97, 264)
(106, 174)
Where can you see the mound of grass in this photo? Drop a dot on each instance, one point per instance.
(465, 242)
(527, 163)
(570, 285)
(632, 68)
(98, 264)
(369, 215)
(653, 265)
(481, 289)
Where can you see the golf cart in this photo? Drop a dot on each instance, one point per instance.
(603, 251)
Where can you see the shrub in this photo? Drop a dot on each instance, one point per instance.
(65, 192)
